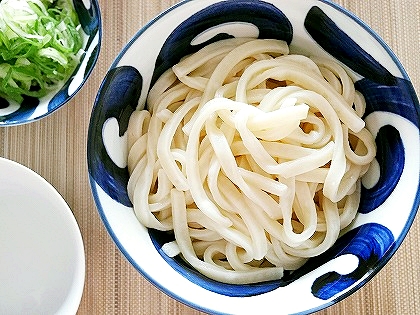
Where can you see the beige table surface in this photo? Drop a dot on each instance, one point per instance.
(55, 147)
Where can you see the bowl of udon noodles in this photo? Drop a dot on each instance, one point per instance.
(252, 156)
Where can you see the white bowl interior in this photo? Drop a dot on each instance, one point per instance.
(41, 250)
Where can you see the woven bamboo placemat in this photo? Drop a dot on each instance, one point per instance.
(55, 147)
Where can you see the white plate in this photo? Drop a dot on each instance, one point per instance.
(42, 259)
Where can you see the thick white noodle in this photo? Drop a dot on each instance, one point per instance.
(251, 156)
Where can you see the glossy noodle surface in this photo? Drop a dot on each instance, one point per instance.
(252, 156)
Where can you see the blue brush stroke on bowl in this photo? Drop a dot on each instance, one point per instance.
(391, 158)
(59, 97)
(270, 21)
(26, 109)
(117, 98)
(336, 42)
(369, 243)
(88, 18)
(399, 98)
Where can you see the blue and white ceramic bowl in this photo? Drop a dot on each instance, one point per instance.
(32, 109)
(315, 27)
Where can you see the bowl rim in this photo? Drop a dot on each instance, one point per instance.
(341, 296)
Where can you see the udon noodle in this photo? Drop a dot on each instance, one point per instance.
(252, 157)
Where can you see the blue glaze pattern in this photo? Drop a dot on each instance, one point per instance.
(118, 98)
(336, 42)
(369, 242)
(59, 98)
(25, 110)
(391, 158)
(88, 17)
(269, 20)
(399, 98)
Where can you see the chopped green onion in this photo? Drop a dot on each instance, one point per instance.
(40, 46)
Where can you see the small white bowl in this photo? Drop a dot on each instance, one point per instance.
(41, 249)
